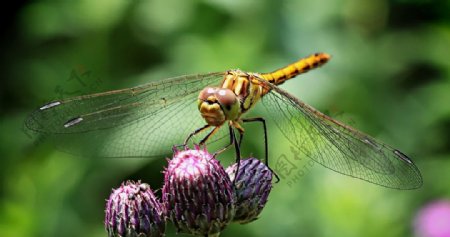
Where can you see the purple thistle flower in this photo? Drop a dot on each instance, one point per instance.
(133, 210)
(197, 193)
(253, 184)
(434, 220)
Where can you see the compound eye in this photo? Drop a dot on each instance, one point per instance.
(206, 93)
(226, 97)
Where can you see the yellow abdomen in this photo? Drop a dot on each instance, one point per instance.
(303, 65)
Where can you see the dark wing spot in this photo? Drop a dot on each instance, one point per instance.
(402, 156)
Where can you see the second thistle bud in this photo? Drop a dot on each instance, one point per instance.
(134, 210)
(253, 182)
(197, 193)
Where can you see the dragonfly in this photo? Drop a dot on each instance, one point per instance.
(144, 121)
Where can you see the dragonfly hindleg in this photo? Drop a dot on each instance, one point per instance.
(266, 146)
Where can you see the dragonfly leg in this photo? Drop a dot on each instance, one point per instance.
(266, 143)
(236, 145)
(266, 146)
(241, 136)
(240, 129)
(203, 141)
(197, 131)
(238, 152)
(232, 141)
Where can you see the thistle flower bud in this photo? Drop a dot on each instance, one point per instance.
(197, 193)
(252, 186)
(133, 210)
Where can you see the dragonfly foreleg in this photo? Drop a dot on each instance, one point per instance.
(203, 141)
(197, 131)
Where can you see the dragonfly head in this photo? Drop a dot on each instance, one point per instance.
(218, 105)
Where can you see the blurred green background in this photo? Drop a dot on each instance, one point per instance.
(389, 77)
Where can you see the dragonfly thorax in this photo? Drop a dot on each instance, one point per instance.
(245, 86)
(217, 105)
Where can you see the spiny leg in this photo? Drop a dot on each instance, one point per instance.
(266, 143)
(238, 153)
(266, 146)
(232, 141)
(195, 132)
(236, 145)
(203, 141)
(240, 129)
(241, 136)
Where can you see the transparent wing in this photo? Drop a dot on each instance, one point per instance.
(142, 121)
(114, 108)
(337, 146)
